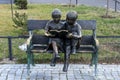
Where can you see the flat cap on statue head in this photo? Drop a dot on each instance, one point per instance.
(72, 15)
(56, 13)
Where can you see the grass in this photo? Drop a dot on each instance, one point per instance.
(105, 27)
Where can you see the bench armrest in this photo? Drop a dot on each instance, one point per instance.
(29, 40)
(96, 43)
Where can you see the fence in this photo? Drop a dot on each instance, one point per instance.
(9, 46)
(109, 51)
(117, 5)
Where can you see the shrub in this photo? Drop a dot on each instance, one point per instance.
(20, 21)
(22, 4)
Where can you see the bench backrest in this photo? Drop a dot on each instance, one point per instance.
(85, 25)
(40, 24)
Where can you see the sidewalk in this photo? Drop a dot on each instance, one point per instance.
(46, 72)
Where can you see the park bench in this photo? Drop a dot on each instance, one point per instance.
(39, 43)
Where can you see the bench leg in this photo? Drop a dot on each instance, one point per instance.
(66, 58)
(28, 63)
(96, 61)
(92, 60)
(32, 59)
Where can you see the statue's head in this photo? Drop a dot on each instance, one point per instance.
(56, 15)
(71, 17)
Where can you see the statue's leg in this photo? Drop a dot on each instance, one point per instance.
(66, 58)
(55, 53)
(74, 43)
(53, 61)
(55, 49)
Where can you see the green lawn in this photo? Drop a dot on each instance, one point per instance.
(105, 26)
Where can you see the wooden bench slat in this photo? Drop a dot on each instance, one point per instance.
(36, 24)
(85, 49)
(87, 40)
(87, 24)
(40, 39)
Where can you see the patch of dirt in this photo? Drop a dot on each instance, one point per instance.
(111, 47)
(69, 5)
(108, 16)
(7, 61)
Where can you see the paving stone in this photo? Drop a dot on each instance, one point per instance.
(23, 79)
(78, 76)
(55, 75)
(40, 76)
(87, 77)
(117, 78)
(100, 77)
(55, 71)
(55, 78)
(47, 78)
(70, 76)
(3, 74)
(109, 78)
(4, 71)
(46, 72)
(71, 79)
(2, 78)
(33, 76)
(17, 79)
(83, 71)
(11, 75)
(40, 79)
(63, 77)
(70, 72)
(10, 78)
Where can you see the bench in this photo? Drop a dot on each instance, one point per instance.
(39, 43)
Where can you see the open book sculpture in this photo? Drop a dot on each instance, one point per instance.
(59, 33)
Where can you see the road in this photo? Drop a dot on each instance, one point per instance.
(98, 3)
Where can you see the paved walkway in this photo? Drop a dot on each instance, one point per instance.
(46, 72)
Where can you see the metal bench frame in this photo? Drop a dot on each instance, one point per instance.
(89, 43)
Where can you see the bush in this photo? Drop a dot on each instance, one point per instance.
(22, 4)
(20, 21)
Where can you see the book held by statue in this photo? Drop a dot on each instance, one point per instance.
(59, 33)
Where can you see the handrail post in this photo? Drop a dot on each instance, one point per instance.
(115, 5)
(76, 2)
(10, 47)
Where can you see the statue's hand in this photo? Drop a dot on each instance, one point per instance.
(69, 35)
(46, 34)
(49, 35)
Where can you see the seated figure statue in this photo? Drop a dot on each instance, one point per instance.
(73, 36)
(56, 42)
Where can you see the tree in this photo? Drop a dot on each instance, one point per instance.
(22, 4)
(20, 22)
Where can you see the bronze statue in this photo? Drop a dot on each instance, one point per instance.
(56, 42)
(73, 36)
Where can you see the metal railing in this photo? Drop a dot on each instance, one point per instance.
(109, 50)
(9, 38)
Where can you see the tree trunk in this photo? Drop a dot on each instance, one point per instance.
(107, 8)
(76, 2)
(70, 4)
